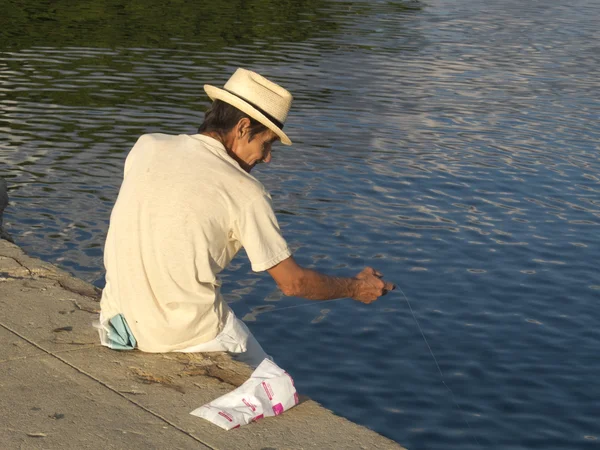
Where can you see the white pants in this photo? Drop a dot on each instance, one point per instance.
(235, 338)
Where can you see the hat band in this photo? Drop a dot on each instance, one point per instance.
(260, 110)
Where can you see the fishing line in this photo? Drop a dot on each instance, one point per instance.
(438, 366)
(463, 414)
(298, 306)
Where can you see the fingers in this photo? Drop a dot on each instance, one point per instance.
(373, 285)
(371, 271)
(363, 273)
(387, 287)
(383, 285)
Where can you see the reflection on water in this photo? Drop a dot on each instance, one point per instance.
(452, 145)
(321, 316)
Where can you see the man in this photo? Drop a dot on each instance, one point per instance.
(186, 206)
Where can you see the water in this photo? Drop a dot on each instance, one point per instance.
(453, 145)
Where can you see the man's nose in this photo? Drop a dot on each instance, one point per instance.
(267, 158)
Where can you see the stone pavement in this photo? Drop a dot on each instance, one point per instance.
(60, 389)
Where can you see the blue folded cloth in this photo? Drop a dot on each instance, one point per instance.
(119, 335)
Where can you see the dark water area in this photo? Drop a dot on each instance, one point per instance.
(453, 145)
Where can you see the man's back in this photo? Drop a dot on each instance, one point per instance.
(178, 221)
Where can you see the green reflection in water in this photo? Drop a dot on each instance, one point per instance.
(211, 25)
(67, 67)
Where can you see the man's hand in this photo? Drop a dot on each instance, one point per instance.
(370, 286)
(366, 287)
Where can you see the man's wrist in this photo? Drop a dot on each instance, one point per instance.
(354, 286)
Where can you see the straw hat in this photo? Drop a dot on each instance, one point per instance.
(258, 97)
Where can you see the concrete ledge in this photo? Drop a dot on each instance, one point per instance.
(60, 389)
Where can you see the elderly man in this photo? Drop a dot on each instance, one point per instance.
(186, 206)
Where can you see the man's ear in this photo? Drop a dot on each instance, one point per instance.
(242, 127)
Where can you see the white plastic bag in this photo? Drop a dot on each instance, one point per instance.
(268, 392)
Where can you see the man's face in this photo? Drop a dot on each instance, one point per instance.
(252, 152)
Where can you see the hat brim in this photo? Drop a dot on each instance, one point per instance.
(216, 93)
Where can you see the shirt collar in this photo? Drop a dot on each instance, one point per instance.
(219, 149)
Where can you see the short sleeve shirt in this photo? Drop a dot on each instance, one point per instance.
(184, 209)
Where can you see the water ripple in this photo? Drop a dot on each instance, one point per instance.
(452, 145)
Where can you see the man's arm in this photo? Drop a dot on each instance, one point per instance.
(294, 280)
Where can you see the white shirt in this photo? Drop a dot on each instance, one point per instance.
(184, 210)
